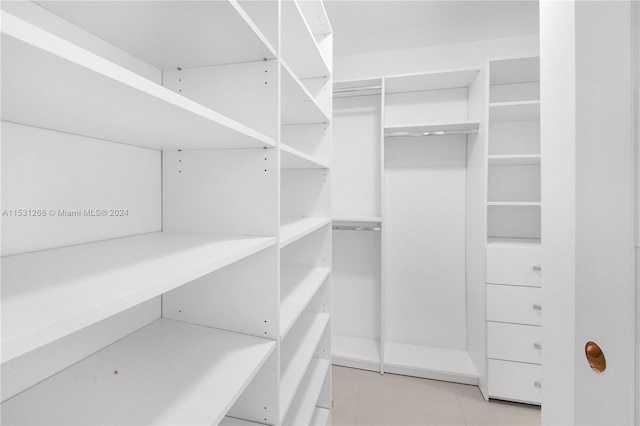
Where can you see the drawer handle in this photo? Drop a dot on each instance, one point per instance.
(537, 268)
(537, 307)
(537, 384)
(537, 345)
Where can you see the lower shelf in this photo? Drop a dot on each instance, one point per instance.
(168, 372)
(355, 352)
(430, 363)
(232, 421)
(321, 417)
(304, 404)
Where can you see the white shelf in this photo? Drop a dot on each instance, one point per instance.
(291, 158)
(194, 374)
(298, 285)
(515, 203)
(514, 111)
(294, 228)
(430, 81)
(366, 87)
(304, 404)
(321, 417)
(50, 83)
(315, 16)
(232, 421)
(364, 219)
(298, 105)
(176, 34)
(514, 160)
(430, 362)
(466, 126)
(514, 71)
(296, 353)
(50, 294)
(299, 47)
(513, 242)
(355, 352)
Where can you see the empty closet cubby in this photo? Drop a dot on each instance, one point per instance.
(148, 283)
(514, 308)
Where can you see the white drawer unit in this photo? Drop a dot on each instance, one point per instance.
(514, 265)
(515, 381)
(517, 305)
(514, 342)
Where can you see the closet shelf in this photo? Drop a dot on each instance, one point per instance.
(304, 404)
(294, 228)
(348, 88)
(299, 46)
(176, 33)
(298, 285)
(315, 16)
(50, 83)
(291, 158)
(194, 373)
(514, 160)
(298, 105)
(320, 417)
(363, 219)
(514, 111)
(296, 353)
(356, 352)
(52, 293)
(432, 129)
(232, 421)
(430, 81)
(515, 203)
(498, 242)
(430, 362)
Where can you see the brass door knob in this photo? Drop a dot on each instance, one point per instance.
(595, 357)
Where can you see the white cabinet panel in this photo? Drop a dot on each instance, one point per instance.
(514, 265)
(514, 342)
(514, 304)
(515, 381)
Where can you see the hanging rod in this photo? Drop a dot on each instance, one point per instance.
(356, 228)
(357, 89)
(432, 133)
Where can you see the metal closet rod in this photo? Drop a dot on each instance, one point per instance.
(356, 228)
(431, 133)
(357, 89)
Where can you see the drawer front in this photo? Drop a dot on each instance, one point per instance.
(514, 304)
(514, 266)
(515, 381)
(514, 342)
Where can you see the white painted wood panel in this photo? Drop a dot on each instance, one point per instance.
(356, 156)
(514, 111)
(298, 285)
(514, 183)
(517, 305)
(305, 193)
(514, 137)
(304, 404)
(517, 220)
(294, 228)
(355, 352)
(515, 381)
(515, 92)
(220, 191)
(514, 342)
(74, 287)
(176, 34)
(321, 417)
(311, 139)
(241, 297)
(513, 71)
(430, 80)
(194, 386)
(54, 84)
(314, 250)
(425, 213)
(433, 106)
(510, 265)
(291, 158)
(70, 180)
(298, 104)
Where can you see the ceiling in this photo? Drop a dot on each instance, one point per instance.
(369, 26)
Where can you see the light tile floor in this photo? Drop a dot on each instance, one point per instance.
(369, 398)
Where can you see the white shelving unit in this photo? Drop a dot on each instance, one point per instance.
(202, 198)
(514, 347)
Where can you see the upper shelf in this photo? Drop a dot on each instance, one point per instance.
(52, 293)
(430, 81)
(291, 158)
(195, 374)
(514, 111)
(347, 88)
(171, 34)
(515, 71)
(315, 16)
(298, 105)
(434, 129)
(50, 83)
(294, 228)
(514, 160)
(299, 46)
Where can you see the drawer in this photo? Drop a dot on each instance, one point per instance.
(515, 381)
(514, 304)
(514, 265)
(514, 342)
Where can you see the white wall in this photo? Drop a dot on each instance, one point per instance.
(452, 56)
